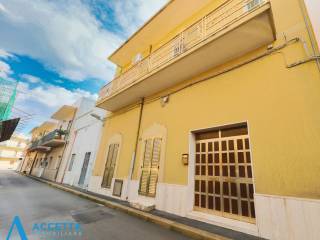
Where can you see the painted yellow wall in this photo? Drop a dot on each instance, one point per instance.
(56, 154)
(27, 161)
(38, 159)
(40, 156)
(14, 159)
(125, 124)
(281, 106)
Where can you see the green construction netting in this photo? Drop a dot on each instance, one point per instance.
(8, 92)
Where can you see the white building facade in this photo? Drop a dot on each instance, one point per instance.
(313, 7)
(80, 154)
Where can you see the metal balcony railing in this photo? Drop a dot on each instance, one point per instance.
(34, 144)
(56, 134)
(208, 26)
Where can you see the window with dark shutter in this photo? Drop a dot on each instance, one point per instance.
(110, 165)
(150, 167)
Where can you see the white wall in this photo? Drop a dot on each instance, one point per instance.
(313, 7)
(84, 137)
(86, 140)
(287, 218)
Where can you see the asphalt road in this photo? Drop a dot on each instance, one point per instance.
(36, 203)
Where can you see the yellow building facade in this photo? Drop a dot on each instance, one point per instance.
(33, 150)
(215, 117)
(49, 140)
(12, 152)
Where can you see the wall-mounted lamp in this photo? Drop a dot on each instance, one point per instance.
(185, 159)
(164, 100)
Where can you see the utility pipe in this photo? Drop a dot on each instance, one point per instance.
(137, 137)
(34, 159)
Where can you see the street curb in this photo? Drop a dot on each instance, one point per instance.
(163, 222)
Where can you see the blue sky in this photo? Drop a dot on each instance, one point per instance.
(57, 49)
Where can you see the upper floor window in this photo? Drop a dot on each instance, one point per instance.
(150, 167)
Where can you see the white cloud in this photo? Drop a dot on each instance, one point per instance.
(44, 100)
(131, 14)
(62, 34)
(50, 96)
(5, 69)
(4, 54)
(2, 8)
(30, 78)
(66, 36)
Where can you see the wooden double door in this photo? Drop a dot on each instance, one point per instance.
(223, 173)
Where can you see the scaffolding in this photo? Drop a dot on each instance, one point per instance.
(8, 92)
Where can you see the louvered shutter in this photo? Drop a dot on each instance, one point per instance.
(110, 165)
(150, 168)
(154, 167)
(145, 173)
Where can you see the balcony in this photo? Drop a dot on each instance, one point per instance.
(36, 146)
(55, 138)
(230, 31)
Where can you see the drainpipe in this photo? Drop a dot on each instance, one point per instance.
(137, 137)
(134, 157)
(23, 162)
(64, 149)
(34, 159)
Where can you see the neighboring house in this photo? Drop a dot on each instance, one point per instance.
(33, 162)
(12, 152)
(65, 150)
(48, 145)
(80, 154)
(57, 140)
(215, 117)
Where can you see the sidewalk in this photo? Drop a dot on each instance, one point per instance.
(186, 226)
